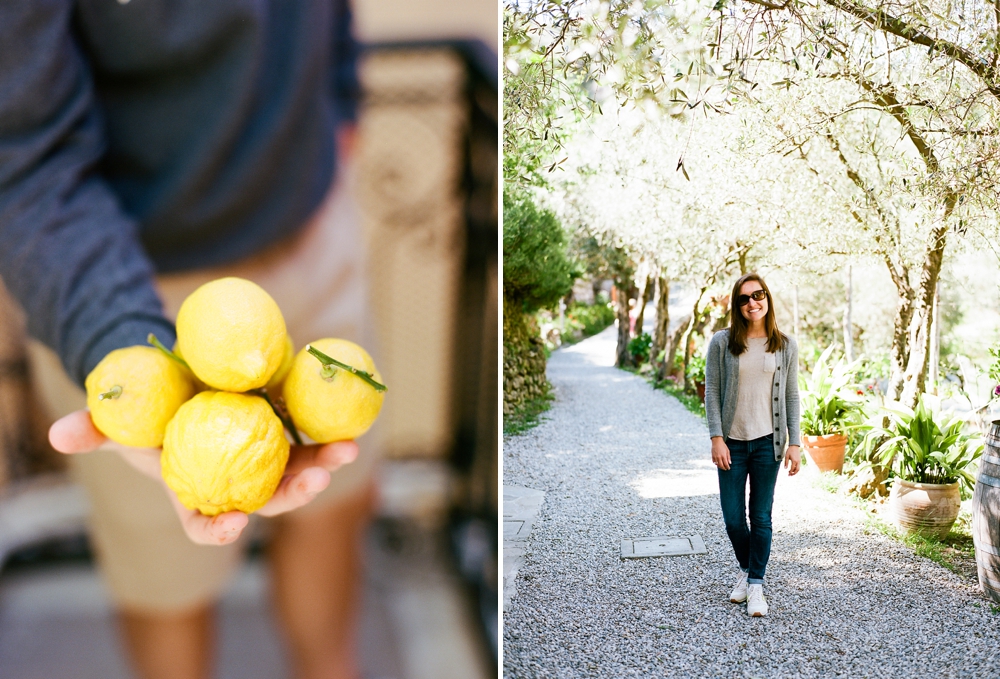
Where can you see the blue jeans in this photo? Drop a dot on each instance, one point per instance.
(753, 459)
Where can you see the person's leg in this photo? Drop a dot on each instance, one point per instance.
(732, 495)
(170, 645)
(316, 563)
(763, 472)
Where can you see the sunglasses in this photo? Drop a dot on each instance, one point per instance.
(756, 295)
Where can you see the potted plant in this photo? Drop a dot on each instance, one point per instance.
(829, 408)
(696, 373)
(931, 457)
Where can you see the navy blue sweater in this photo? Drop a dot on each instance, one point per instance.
(156, 135)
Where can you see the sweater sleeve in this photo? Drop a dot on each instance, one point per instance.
(714, 369)
(792, 393)
(70, 255)
(344, 52)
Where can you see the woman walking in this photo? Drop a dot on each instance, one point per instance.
(752, 403)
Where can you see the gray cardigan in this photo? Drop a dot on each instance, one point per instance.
(722, 373)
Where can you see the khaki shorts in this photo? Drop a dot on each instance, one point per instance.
(317, 279)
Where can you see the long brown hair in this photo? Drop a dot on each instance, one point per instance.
(738, 325)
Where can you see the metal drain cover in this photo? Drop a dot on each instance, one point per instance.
(640, 548)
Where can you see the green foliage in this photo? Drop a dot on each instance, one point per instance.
(696, 368)
(830, 403)
(638, 348)
(923, 445)
(994, 369)
(536, 270)
(588, 319)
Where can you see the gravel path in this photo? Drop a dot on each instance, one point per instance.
(616, 460)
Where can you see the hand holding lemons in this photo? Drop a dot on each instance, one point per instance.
(133, 393)
(232, 334)
(330, 403)
(224, 452)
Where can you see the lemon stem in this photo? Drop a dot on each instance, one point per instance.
(113, 392)
(326, 360)
(159, 345)
(282, 413)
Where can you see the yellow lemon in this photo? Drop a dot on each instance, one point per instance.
(286, 364)
(232, 334)
(332, 405)
(133, 392)
(224, 452)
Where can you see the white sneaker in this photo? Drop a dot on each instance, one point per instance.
(756, 604)
(739, 593)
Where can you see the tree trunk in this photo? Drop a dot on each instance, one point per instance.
(920, 323)
(899, 352)
(670, 352)
(622, 358)
(935, 358)
(642, 299)
(662, 318)
(686, 337)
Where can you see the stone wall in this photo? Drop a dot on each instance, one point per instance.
(523, 359)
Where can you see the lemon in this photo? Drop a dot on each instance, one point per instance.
(133, 392)
(232, 334)
(334, 408)
(286, 364)
(224, 452)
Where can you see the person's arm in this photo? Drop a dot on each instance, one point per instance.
(70, 255)
(792, 392)
(792, 454)
(714, 367)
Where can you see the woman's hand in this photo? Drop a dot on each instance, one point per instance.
(792, 459)
(720, 453)
(306, 474)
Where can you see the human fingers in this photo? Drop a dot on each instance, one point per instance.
(329, 456)
(720, 456)
(75, 433)
(296, 490)
(795, 467)
(222, 529)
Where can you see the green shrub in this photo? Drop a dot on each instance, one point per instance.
(830, 402)
(638, 348)
(536, 270)
(589, 319)
(696, 368)
(923, 445)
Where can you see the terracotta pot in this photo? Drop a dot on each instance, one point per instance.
(826, 452)
(927, 509)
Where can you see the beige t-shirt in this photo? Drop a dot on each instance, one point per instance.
(754, 415)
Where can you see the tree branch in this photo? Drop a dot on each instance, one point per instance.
(882, 20)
